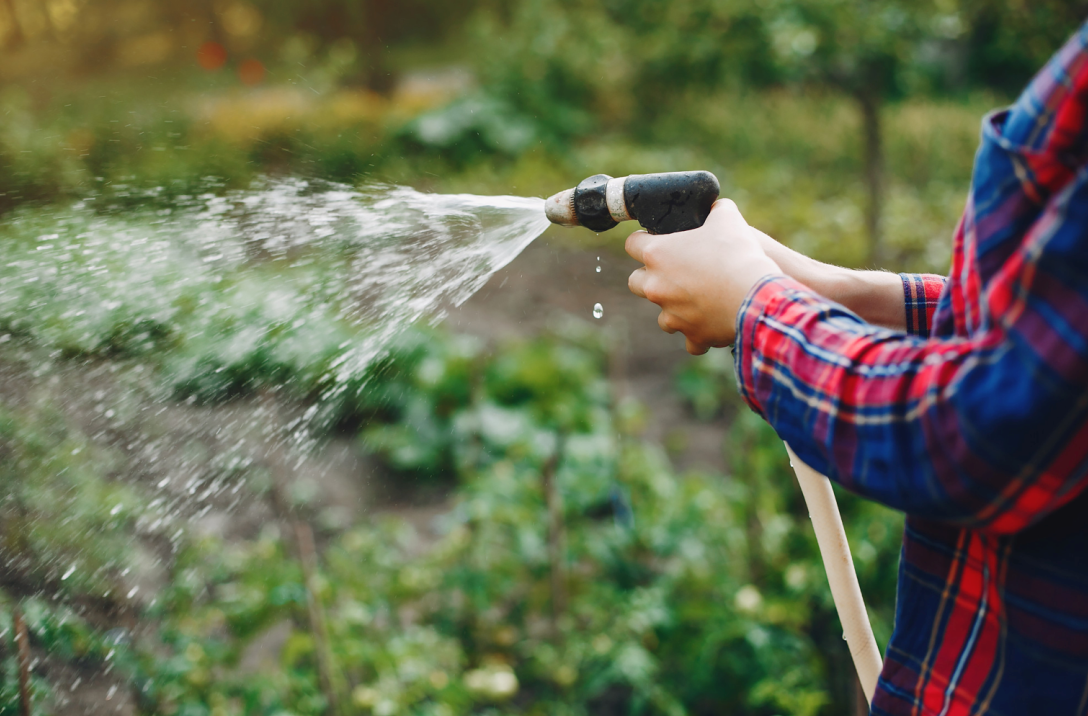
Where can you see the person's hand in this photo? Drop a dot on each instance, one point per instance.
(700, 277)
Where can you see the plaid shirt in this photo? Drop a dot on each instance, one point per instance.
(974, 423)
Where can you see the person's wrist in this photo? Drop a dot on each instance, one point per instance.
(833, 282)
(792, 263)
(754, 271)
(877, 296)
(753, 300)
(822, 278)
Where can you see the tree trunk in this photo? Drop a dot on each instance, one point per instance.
(17, 37)
(378, 75)
(205, 12)
(873, 158)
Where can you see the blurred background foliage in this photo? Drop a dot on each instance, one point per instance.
(577, 571)
(875, 102)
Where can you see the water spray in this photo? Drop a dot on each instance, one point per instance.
(680, 201)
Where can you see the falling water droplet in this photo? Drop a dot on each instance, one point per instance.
(844, 636)
(71, 570)
(598, 269)
(598, 310)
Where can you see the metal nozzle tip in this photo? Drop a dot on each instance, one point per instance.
(560, 208)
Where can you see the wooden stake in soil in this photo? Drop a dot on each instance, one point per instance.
(22, 655)
(301, 537)
(304, 538)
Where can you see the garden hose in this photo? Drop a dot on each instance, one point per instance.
(680, 201)
(823, 510)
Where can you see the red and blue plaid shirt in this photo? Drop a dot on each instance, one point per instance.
(974, 423)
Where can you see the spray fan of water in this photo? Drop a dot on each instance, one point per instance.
(109, 318)
(293, 285)
(301, 260)
(403, 256)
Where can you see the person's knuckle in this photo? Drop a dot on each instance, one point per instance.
(651, 252)
(727, 204)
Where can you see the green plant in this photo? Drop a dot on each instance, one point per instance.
(656, 593)
(65, 541)
(63, 526)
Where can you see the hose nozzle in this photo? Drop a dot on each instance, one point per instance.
(662, 203)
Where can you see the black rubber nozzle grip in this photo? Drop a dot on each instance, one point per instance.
(670, 202)
(591, 205)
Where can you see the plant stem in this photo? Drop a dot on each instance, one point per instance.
(557, 537)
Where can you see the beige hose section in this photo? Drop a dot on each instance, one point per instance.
(830, 535)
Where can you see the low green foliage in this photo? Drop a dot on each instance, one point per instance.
(677, 594)
(66, 637)
(687, 594)
(63, 528)
(706, 383)
(66, 536)
(629, 589)
(150, 287)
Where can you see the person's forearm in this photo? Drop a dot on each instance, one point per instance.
(876, 296)
(925, 426)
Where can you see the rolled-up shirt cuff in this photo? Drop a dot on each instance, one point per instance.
(921, 292)
(763, 299)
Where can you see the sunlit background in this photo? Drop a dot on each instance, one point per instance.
(529, 508)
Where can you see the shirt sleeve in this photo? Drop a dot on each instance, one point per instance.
(921, 291)
(988, 431)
